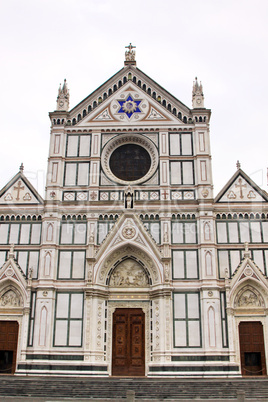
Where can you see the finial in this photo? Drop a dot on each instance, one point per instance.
(11, 253)
(63, 97)
(130, 54)
(246, 252)
(30, 273)
(21, 168)
(226, 273)
(238, 165)
(197, 95)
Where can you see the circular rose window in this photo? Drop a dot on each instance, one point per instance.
(130, 162)
(129, 159)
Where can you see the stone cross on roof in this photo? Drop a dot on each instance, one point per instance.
(130, 53)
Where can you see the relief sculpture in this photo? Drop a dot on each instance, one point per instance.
(129, 273)
(249, 299)
(10, 299)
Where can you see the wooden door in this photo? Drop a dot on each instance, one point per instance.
(128, 343)
(8, 346)
(252, 350)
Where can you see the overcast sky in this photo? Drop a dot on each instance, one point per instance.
(223, 43)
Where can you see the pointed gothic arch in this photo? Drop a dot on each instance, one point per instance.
(129, 273)
(208, 263)
(207, 231)
(212, 327)
(116, 256)
(248, 296)
(43, 326)
(47, 264)
(49, 232)
(11, 296)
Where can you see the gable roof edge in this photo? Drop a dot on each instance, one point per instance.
(247, 178)
(21, 176)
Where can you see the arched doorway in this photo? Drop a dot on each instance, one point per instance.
(8, 346)
(128, 312)
(249, 303)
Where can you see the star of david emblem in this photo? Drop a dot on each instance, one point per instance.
(129, 106)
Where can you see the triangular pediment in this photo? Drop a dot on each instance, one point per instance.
(240, 188)
(11, 273)
(19, 191)
(130, 105)
(248, 270)
(129, 240)
(248, 286)
(128, 229)
(151, 102)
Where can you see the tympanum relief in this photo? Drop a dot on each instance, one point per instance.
(249, 298)
(129, 273)
(10, 299)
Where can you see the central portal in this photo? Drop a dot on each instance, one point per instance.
(128, 342)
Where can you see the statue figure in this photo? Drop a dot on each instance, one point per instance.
(130, 54)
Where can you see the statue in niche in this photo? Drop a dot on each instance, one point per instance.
(129, 273)
(128, 200)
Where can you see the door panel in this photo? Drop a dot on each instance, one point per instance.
(252, 350)
(8, 346)
(128, 343)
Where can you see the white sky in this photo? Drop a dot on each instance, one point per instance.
(223, 43)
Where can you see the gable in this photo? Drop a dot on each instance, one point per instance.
(241, 189)
(19, 191)
(130, 105)
(164, 104)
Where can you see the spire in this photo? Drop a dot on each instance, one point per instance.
(238, 165)
(63, 97)
(65, 88)
(197, 95)
(130, 55)
(21, 168)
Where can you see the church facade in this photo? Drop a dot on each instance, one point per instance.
(130, 266)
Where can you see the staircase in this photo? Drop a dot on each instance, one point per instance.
(59, 388)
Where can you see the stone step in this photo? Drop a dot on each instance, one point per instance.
(158, 389)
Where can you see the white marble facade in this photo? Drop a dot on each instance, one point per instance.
(129, 221)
